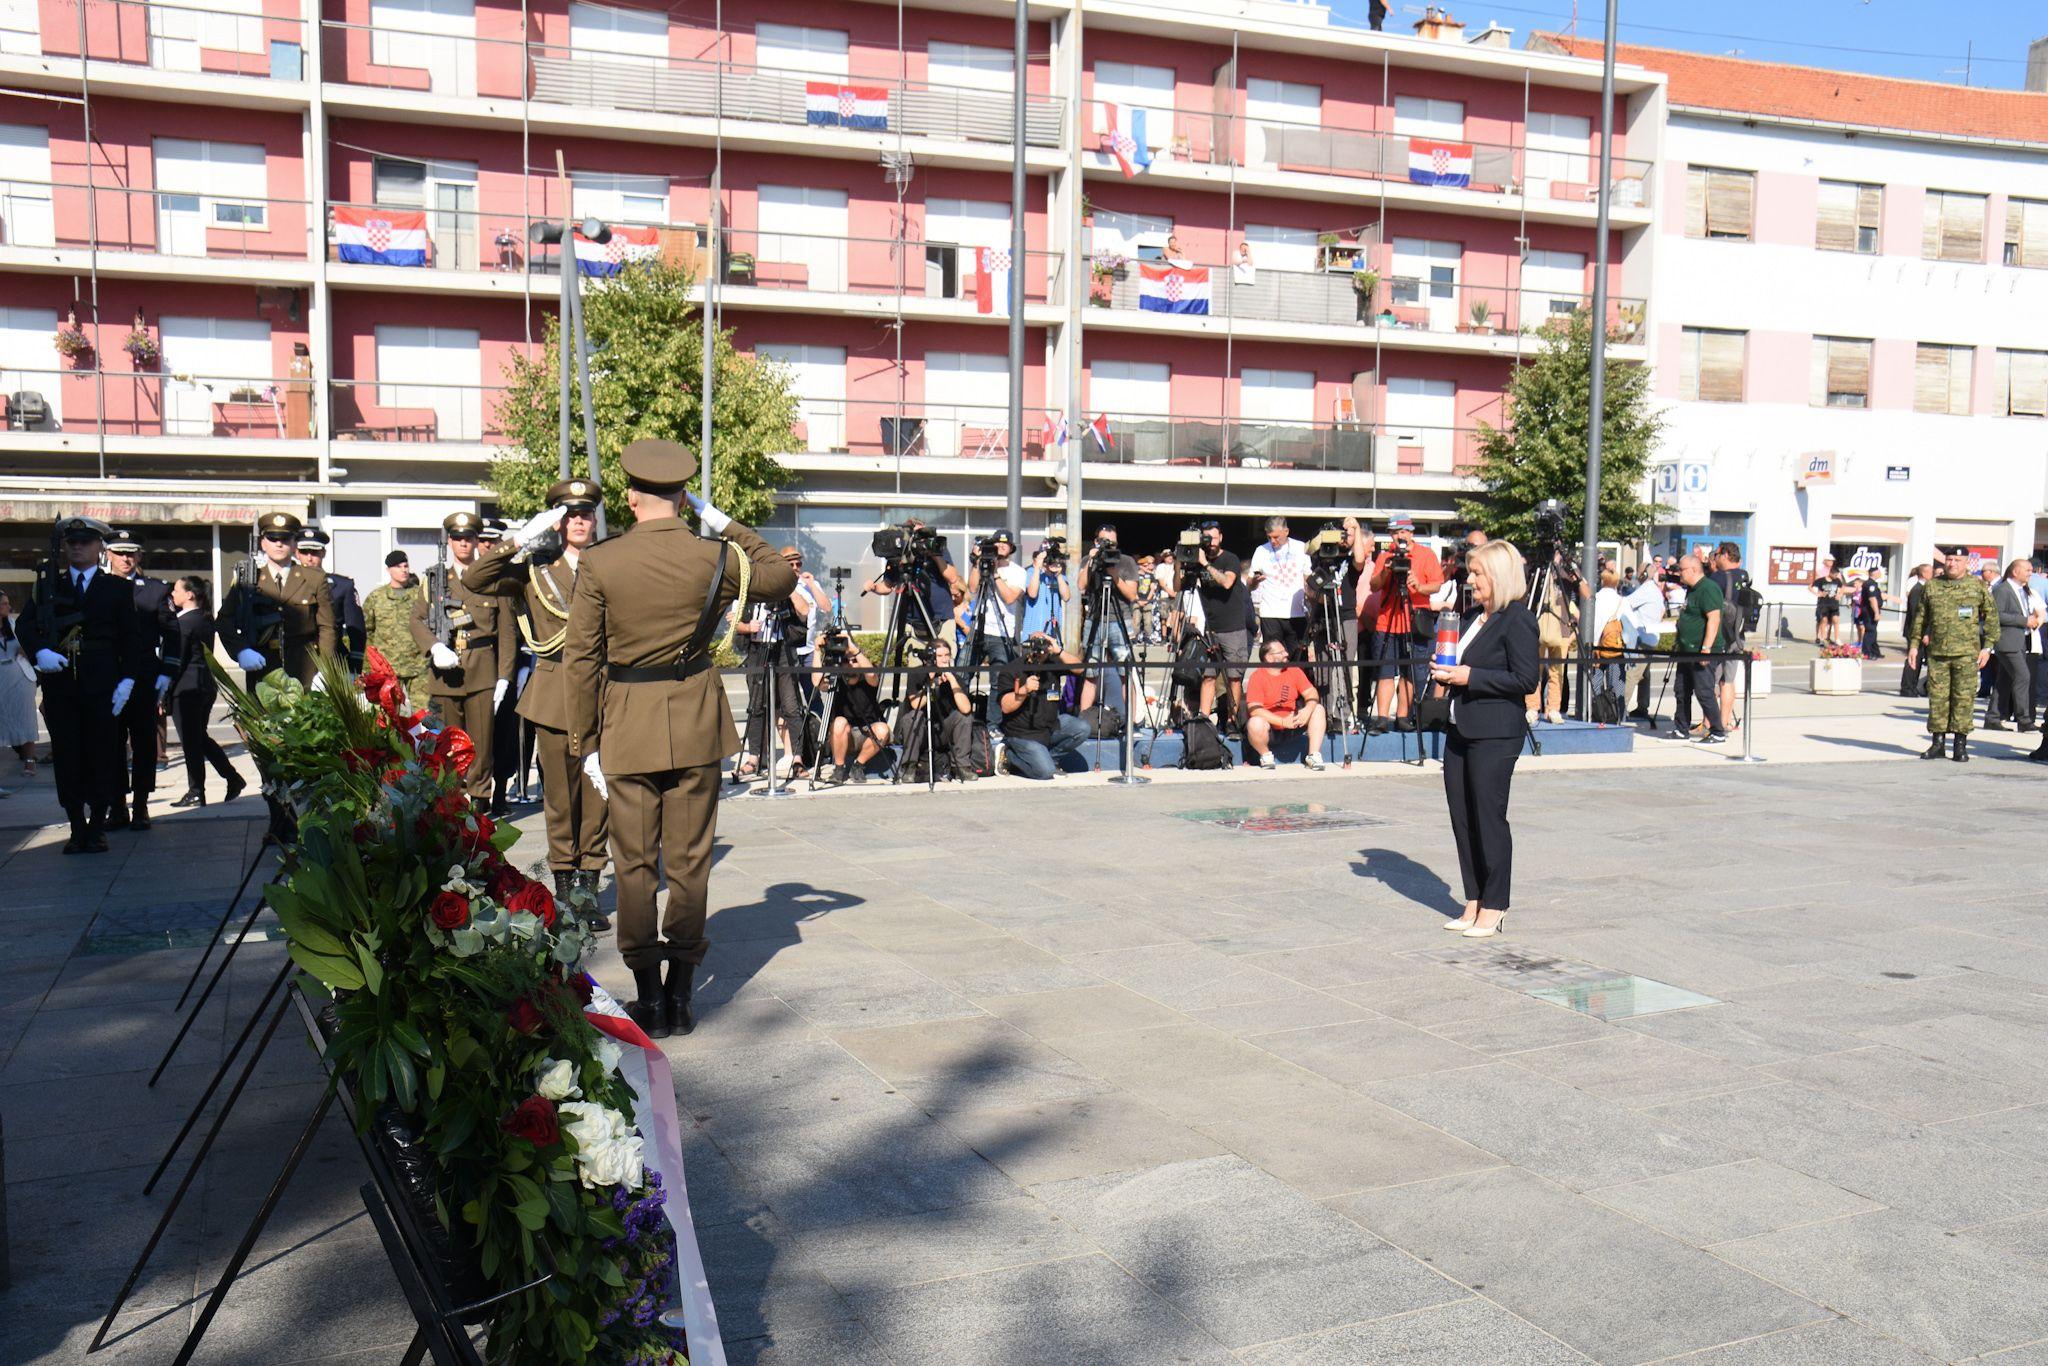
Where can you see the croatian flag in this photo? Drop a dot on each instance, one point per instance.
(1123, 137)
(1099, 429)
(1055, 429)
(991, 280)
(830, 105)
(1173, 289)
(609, 258)
(381, 237)
(1440, 163)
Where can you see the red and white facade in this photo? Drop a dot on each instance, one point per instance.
(863, 157)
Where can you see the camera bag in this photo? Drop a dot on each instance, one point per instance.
(1202, 745)
(981, 754)
(1104, 721)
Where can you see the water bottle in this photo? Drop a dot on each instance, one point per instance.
(1447, 646)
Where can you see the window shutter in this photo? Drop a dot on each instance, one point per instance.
(1731, 197)
(1930, 379)
(2026, 232)
(1962, 227)
(1836, 230)
(1930, 227)
(1962, 372)
(1695, 202)
(1849, 368)
(1689, 363)
(1720, 366)
(1817, 386)
(1869, 206)
(2029, 383)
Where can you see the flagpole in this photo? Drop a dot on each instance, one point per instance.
(1596, 419)
(1013, 486)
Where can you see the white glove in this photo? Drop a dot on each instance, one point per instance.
(498, 693)
(49, 662)
(444, 658)
(122, 691)
(163, 685)
(249, 660)
(714, 521)
(538, 527)
(319, 683)
(595, 772)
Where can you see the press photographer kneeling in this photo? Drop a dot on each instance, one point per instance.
(938, 716)
(1035, 732)
(856, 707)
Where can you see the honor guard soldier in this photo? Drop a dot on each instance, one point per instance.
(1959, 622)
(80, 631)
(648, 717)
(468, 638)
(387, 625)
(348, 609)
(278, 614)
(156, 641)
(537, 568)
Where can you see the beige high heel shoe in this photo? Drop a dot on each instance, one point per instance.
(1489, 931)
(1461, 923)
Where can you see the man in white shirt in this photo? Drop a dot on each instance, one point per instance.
(994, 639)
(1642, 626)
(1279, 572)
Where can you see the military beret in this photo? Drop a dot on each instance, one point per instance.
(278, 523)
(313, 538)
(657, 463)
(462, 524)
(85, 529)
(1961, 550)
(124, 540)
(572, 493)
(396, 558)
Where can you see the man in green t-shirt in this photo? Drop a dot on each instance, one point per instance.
(1699, 633)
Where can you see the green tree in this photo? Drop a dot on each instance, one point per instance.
(1542, 453)
(646, 380)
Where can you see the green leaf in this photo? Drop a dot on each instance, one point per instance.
(437, 1075)
(563, 1204)
(335, 972)
(463, 1050)
(531, 1214)
(408, 1037)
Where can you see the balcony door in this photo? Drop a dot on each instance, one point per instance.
(804, 227)
(971, 66)
(966, 403)
(202, 185)
(447, 190)
(791, 48)
(1422, 413)
(26, 219)
(178, 35)
(27, 364)
(1271, 108)
(615, 34)
(442, 370)
(1558, 153)
(818, 379)
(1276, 413)
(1142, 94)
(615, 197)
(1426, 279)
(1277, 248)
(212, 363)
(1553, 282)
(20, 29)
(953, 228)
(435, 36)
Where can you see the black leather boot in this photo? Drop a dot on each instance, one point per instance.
(675, 997)
(584, 880)
(1937, 749)
(141, 818)
(564, 885)
(650, 1011)
(115, 817)
(76, 844)
(192, 797)
(1962, 754)
(96, 831)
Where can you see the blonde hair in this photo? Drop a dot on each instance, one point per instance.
(1503, 565)
(1610, 577)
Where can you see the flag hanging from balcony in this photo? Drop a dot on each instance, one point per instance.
(1055, 431)
(991, 280)
(380, 237)
(1122, 133)
(1099, 429)
(609, 258)
(1440, 163)
(1173, 289)
(830, 105)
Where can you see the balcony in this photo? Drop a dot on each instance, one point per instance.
(127, 403)
(940, 272)
(408, 415)
(174, 40)
(66, 218)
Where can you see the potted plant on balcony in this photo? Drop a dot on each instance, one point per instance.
(72, 343)
(1482, 316)
(1838, 672)
(1105, 268)
(1365, 284)
(739, 267)
(143, 351)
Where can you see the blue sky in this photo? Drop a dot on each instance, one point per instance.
(1891, 37)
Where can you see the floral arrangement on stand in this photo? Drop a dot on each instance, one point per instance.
(1838, 650)
(459, 1014)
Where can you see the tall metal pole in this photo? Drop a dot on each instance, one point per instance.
(1013, 487)
(713, 260)
(1596, 422)
(589, 409)
(565, 266)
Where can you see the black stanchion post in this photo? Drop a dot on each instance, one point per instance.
(262, 848)
(218, 973)
(220, 1072)
(1749, 754)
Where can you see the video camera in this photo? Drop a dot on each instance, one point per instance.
(1187, 552)
(1327, 555)
(900, 545)
(1055, 549)
(1549, 528)
(835, 647)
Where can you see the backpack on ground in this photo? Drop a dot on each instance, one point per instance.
(1202, 744)
(1104, 722)
(1605, 708)
(981, 754)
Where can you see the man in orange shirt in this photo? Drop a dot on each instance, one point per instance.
(1405, 576)
(1280, 697)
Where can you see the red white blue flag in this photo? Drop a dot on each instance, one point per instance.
(991, 280)
(828, 104)
(1173, 289)
(380, 237)
(1440, 163)
(1122, 135)
(1099, 429)
(626, 246)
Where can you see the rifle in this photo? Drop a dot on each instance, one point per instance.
(259, 624)
(437, 600)
(60, 631)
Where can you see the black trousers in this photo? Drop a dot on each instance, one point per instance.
(85, 746)
(788, 700)
(190, 710)
(138, 733)
(1699, 681)
(2012, 694)
(1477, 774)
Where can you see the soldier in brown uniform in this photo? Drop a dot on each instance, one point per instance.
(648, 717)
(473, 655)
(536, 567)
(279, 613)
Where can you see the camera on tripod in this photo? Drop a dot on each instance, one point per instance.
(1549, 527)
(835, 647)
(1327, 555)
(898, 545)
(1187, 552)
(1055, 549)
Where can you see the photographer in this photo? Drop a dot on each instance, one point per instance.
(773, 633)
(918, 558)
(992, 635)
(1343, 568)
(1223, 600)
(1405, 575)
(857, 709)
(1278, 579)
(1035, 732)
(1282, 698)
(1047, 590)
(1104, 637)
(941, 690)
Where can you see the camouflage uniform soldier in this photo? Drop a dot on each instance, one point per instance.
(1956, 619)
(387, 627)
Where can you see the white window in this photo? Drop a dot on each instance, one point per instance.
(1282, 101)
(1285, 397)
(1942, 378)
(614, 31)
(1417, 117)
(1953, 226)
(1276, 248)
(966, 403)
(204, 185)
(1840, 372)
(1559, 149)
(1426, 277)
(1848, 217)
(210, 363)
(1552, 282)
(1711, 364)
(803, 235)
(436, 36)
(615, 197)
(20, 31)
(27, 363)
(178, 34)
(817, 376)
(1132, 88)
(788, 47)
(442, 370)
(1130, 234)
(2020, 384)
(26, 217)
(1422, 413)
(971, 65)
(1130, 388)
(953, 228)
(447, 189)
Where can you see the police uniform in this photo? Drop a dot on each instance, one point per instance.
(283, 613)
(644, 698)
(80, 632)
(478, 629)
(387, 628)
(544, 589)
(348, 609)
(1960, 624)
(156, 641)
(505, 738)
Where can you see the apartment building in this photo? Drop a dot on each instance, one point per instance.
(1851, 280)
(261, 255)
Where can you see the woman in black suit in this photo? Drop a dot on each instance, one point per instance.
(1498, 663)
(192, 692)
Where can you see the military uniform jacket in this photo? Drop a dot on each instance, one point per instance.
(484, 644)
(387, 625)
(156, 626)
(108, 644)
(543, 593)
(638, 599)
(1956, 616)
(308, 611)
(348, 614)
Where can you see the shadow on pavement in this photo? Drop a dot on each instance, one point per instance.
(1415, 881)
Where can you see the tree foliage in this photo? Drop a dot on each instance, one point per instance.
(646, 379)
(1542, 454)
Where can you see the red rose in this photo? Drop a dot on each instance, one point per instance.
(450, 910)
(362, 758)
(533, 1121)
(535, 900)
(582, 986)
(481, 839)
(504, 882)
(454, 749)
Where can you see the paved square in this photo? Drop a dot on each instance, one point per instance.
(1064, 1075)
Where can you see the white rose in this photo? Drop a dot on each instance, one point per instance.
(557, 1080)
(607, 1053)
(587, 1122)
(615, 1162)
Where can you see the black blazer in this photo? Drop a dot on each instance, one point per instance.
(1504, 662)
(110, 647)
(195, 642)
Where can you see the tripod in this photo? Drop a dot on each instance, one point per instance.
(1104, 607)
(1326, 637)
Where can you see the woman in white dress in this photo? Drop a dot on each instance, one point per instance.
(17, 693)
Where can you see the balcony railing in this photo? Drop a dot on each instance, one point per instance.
(877, 265)
(175, 37)
(163, 402)
(155, 222)
(408, 413)
(1214, 137)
